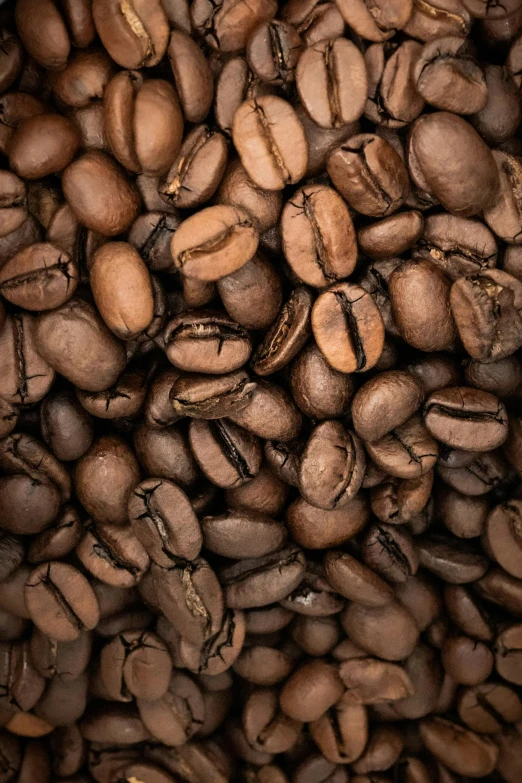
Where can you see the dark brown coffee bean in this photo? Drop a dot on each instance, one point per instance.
(175, 717)
(320, 391)
(407, 452)
(192, 76)
(136, 664)
(388, 632)
(112, 554)
(473, 163)
(466, 661)
(99, 194)
(332, 83)
(164, 522)
(273, 50)
(355, 581)
(385, 402)
(265, 493)
(220, 651)
(214, 243)
(318, 236)
(464, 516)
(287, 335)
(348, 328)
(242, 534)
(310, 691)
(190, 596)
(370, 175)
(40, 277)
(391, 552)
(105, 478)
(202, 397)
(227, 28)
(263, 665)
(42, 145)
(504, 216)
(467, 612)
(332, 466)
(449, 61)
(57, 540)
(134, 35)
(238, 190)
(151, 235)
(252, 295)
(467, 419)
(316, 528)
(264, 580)
(378, 21)
(206, 342)
(270, 414)
(424, 321)
(459, 749)
(270, 141)
(314, 20)
(25, 376)
(452, 560)
(61, 601)
(498, 120)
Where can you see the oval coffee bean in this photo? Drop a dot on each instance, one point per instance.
(465, 418)
(242, 534)
(206, 342)
(287, 336)
(61, 601)
(318, 236)
(214, 243)
(348, 328)
(271, 142)
(264, 580)
(164, 521)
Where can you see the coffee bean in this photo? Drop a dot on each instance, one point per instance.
(318, 236)
(174, 717)
(348, 328)
(452, 560)
(133, 38)
(214, 243)
(192, 76)
(211, 398)
(332, 82)
(369, 174)
(262, 581)
(390, 551)
(311, 690)
(164, 522)
(388, 631)
(60, 601)
(143, 123)
(287, 335)
(99, 194)
(112, 554)
(270, 141)
(266, 728)
(320, 391)
(466, 418)
(332, 466)
(226, 27)
(207, 342)
(273, 50)
(241, 534)
(459, 749)
(431, 138)
(407, 452)
(252, 295)
(270, 413)
(316, 528)
(355, 581)
(488, 708)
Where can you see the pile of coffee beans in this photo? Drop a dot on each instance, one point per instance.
(260, 391)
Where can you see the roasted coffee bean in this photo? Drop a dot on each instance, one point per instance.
(388, 631)
(332, 466)
(60, 601)
(143, 123)
(269, 413)
(287, 335)
(266, 728)
(393, 99)
(202, 397)
(461, 750)
(112, 554)
(214, 243)
(467, 419)
(136, 664)
(502, 534)
(409, 451)
(271, 142)
(320, 391)
(273, 50)
(390, 551)
(391, 236)
(25, 375)
(467, 661)
(316, 528)
(220, 651)
(370, 175)
(190, 596)
(355, 581)
(318, 236)
(242, 534)
(311, 690)
(252, 295)
(174, 717)
(488, 708)
(57, 540)
(372, 408)
(265, 580)
(449, 61)
(450, 559)
(192, 76)
(431, 138)
(348, 328)
(332, 83)
(206, 342)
